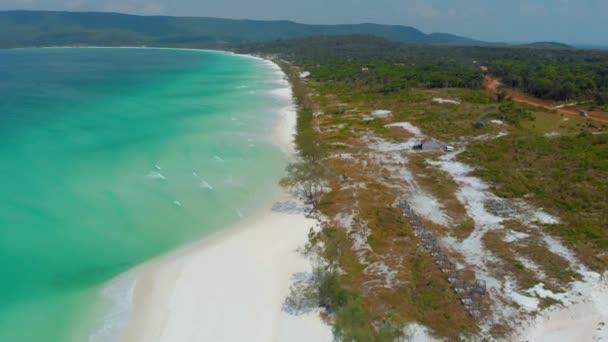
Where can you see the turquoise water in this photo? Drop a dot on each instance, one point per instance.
(109, 157)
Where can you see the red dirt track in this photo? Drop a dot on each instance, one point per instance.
(492, 84)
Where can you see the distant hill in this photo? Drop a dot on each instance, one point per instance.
(44, 28)
(546, 45)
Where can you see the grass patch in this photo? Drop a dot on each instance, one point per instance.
(509, 265)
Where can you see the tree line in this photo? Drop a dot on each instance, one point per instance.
(547, 72)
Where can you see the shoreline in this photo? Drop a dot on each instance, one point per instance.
(231, 284)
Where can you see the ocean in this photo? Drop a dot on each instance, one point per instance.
(110, 157)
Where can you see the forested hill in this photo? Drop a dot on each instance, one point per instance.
(42, 28)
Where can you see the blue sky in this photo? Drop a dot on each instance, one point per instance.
(570, 21)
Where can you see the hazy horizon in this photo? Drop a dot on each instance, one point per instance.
(564, 21)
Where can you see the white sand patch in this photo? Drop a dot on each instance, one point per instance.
(385, 146)
(497, 122)
(345, 220)
(304, 74)
(556, 247)
(540, 291)
(585, 320)
(472, 193)
(381, 270)
(392, 156)
(348, 156)
(544, 218)
(527, 303)
(418, 333)
(408, 127)
(291, 328)
(551, 134)
(513, 236)
(442, 101)
(382, 113)
(529, 215)
(490, 136)
(427, 206)
(532, 266)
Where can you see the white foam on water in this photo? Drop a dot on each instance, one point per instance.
(202, 182)
(282, 93)
(119, 297)
(155, 175)
(205, 184)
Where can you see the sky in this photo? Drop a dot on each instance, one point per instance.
(516, 21)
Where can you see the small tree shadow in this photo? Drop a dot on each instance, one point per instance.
(292, 207)
(303, 295)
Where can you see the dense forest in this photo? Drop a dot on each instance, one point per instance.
(554, 75)
(551, 71)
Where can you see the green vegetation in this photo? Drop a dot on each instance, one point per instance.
(557, 73)
(305, 176)
(566, 175)
(554, 75)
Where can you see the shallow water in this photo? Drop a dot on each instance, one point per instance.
(109, 157)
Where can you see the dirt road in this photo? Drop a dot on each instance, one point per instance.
(492, 84)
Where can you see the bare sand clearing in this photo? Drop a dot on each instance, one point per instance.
(231, 286)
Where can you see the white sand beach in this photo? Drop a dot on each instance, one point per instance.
(229, 287)
(232, 286)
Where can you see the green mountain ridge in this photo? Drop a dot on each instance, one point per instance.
(46, 28)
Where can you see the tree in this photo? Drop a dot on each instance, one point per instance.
(501, 95)
(305, 176)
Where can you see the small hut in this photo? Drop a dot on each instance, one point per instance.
(428, 144)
